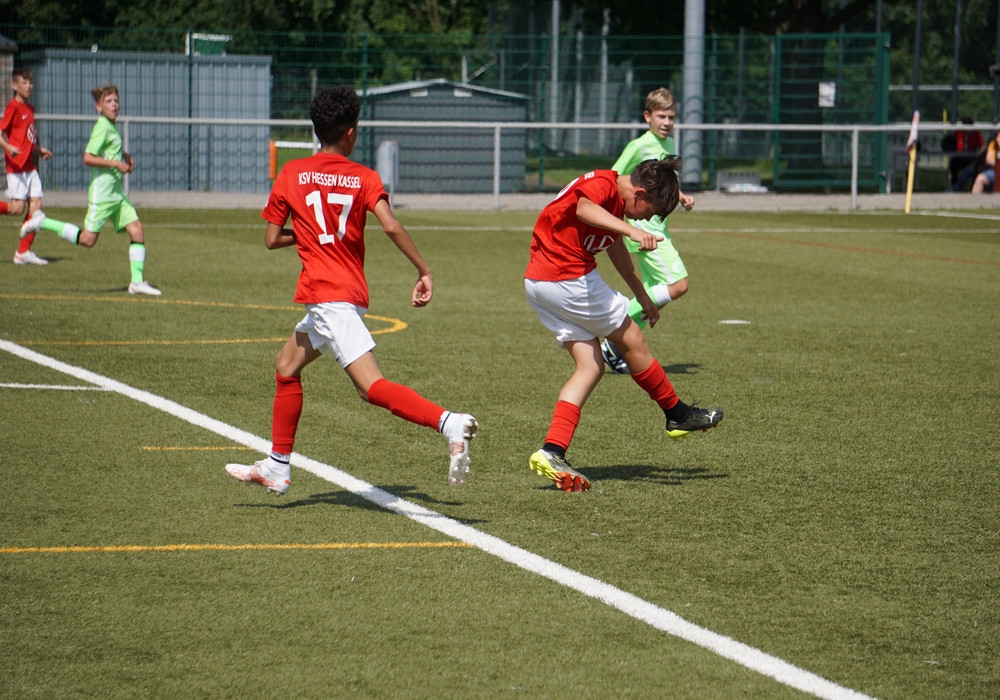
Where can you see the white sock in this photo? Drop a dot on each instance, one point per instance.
(660, 294)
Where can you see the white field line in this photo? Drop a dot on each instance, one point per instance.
(57, 387)
(631, 605)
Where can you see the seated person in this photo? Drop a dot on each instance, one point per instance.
(985, 179)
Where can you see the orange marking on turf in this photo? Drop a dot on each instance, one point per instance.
(853, 249)
(118, 549)
(125, 343)
(395, 324)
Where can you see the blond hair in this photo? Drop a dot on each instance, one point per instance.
(659, 99)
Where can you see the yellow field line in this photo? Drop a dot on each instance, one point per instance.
(87, 343)
(133, 300)
(395, 324)
(117, 549)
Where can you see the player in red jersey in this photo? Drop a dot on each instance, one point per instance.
(19, 140)
(327, 197)
(572, 301)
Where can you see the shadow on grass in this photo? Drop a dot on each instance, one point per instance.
(664, 476)
(351, 500)
(681, 369)
(671, 370)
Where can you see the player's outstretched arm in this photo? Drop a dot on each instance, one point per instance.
(594, 214)
(423, 290)
(278, 237)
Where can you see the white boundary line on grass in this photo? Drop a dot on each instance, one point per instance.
(631, 605)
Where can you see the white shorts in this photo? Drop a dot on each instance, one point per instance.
(579, 309)
(337, 328)
(24, 186)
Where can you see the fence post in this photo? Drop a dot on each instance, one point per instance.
(496, 167)
(854, 169)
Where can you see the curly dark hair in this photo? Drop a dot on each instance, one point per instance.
(659, 179)
(333, 111)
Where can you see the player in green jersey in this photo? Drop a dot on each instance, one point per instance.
(106, 199)
(662, 270)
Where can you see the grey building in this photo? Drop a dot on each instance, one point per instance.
(169, 156)
(458, 160)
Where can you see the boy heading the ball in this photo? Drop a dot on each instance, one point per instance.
(327, 197)
(572, 301)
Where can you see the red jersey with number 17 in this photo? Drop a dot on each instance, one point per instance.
(562, 246)
(328, 198)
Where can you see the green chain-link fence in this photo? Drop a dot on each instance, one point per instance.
(815, 79)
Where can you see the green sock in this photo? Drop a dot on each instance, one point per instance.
(137, 260)
(67, 232)
(635, 311)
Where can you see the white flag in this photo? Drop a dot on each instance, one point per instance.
(912, 140)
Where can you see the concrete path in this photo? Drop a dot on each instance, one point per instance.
(704, 201)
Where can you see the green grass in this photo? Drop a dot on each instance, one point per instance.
(843, 517)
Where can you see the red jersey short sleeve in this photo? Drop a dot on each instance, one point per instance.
(562, 246)
(328, 198)
(18, 126)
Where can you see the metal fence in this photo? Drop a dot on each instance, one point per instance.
(584, 81)
(889, 173)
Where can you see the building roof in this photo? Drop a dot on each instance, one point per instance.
(412, 85)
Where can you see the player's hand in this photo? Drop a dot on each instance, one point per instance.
(646, 241)
(687, 201)
(651, 314)
(423, 290)
(45, 153)
(13, 150)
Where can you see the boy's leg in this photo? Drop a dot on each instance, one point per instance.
(137, 256)
(68, 232)
(651, 378)
(32, 219)
(274, 472)
(405, 403)
(550, 461)
(665, 279)
(663, 275)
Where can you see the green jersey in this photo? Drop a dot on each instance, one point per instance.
(105, 142)
(646, 147)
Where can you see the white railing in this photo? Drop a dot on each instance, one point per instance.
(497, 128)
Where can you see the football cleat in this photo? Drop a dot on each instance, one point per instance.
(459, 428)
(551, 466)
(275, 481)
(143, 287)
(612, 358)
(29, 258)
(697, 419)
(33, 224)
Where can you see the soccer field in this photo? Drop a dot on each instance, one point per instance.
(836, 535)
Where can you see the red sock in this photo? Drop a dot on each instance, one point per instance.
(4, 207)
(404, 402)
(286, 412)
(25, 245)
(653, 380)
(565, 418)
